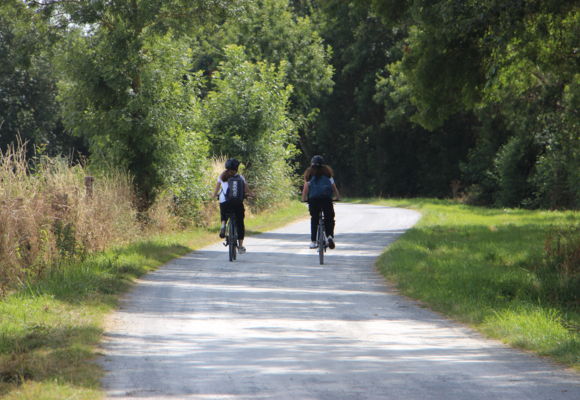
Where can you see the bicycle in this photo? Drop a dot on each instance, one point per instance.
(321, 237)
(231, 236)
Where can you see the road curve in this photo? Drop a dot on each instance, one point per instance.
(277, 325)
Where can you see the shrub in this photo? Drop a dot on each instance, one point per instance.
(561, 266)
(246, 117)
(514, 163)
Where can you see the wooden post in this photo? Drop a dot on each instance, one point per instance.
(89, 180)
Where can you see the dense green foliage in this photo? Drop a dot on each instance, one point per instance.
(28, 108)
(137, 109)
(514, 67)
(128, 83)
(246, 117)
(403, 98)
(270, 31)
(129, 89)
(365, 127)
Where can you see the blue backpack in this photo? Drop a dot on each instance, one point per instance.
(319, 187)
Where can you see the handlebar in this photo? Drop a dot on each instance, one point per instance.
(334, 200)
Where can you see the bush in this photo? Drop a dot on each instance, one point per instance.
(514, 163)
(558, 168)
(246, 117)
(560, 269)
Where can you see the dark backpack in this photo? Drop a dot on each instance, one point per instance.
(319, 187)
(235, 192)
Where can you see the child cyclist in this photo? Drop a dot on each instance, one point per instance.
(231, 201)
(319, 187)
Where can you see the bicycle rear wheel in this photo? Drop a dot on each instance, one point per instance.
(235, 243)
(231, 240)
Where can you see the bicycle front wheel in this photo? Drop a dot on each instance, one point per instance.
(320, 237)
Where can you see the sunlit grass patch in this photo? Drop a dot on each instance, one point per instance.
(536, 328)
(54, 390)
(500, 270)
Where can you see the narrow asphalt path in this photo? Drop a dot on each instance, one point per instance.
(277, 325)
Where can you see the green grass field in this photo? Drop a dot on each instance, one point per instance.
(512, 274)
(50, 330)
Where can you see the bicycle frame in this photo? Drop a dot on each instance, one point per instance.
(231, 236)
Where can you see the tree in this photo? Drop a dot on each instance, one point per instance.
(510, 61)
(349, 126)
(270, 31)
(534, 78)
(128, 85)
(246, 117)
(28, 106)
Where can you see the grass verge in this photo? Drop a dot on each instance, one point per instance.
(49, 330)
(496, 270)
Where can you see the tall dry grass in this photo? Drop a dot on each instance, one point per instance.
(193, 208)
(47, 215)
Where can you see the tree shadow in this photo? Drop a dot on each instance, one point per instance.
(45, 353)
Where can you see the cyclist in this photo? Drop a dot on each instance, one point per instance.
(230, 204)
(319, 187)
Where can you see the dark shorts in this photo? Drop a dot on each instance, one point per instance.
(239, 211)
(314, 206)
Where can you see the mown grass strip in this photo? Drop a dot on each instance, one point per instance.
(50, 329)
(495, 270)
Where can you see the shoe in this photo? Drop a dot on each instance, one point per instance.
(331, 242)
(223, 232)
(313, 245)
(242, 250)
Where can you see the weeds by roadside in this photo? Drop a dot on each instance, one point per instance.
(47, 215)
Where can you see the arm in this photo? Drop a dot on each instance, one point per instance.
(335, 191)
(305, 191)
(217, 189)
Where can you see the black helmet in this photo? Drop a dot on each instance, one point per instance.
(317, 160)
(232, 164)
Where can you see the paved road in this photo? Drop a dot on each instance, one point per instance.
(277, 325)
